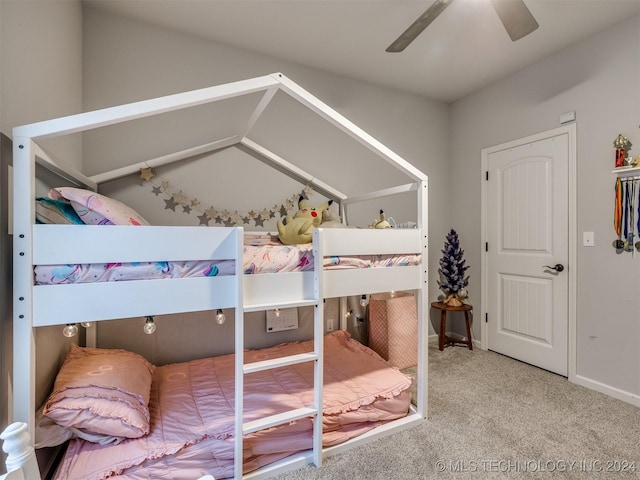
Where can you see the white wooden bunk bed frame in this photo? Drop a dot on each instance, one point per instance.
(42, 305)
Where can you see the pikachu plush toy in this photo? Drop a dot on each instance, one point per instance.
(299, 228)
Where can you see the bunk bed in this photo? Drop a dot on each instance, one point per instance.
(38, 305)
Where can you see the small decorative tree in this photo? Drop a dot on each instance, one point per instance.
(452, 268)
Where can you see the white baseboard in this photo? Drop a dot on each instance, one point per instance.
(627, 397)
(433, 338)
(607, 390)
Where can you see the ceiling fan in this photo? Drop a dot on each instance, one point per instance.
(514, 15)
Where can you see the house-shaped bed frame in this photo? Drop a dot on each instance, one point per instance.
(40, 305)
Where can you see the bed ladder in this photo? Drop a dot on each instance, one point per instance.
(241, 369)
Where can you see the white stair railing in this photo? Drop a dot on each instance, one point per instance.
(21, 460)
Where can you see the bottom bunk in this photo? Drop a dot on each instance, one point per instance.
(184, 425)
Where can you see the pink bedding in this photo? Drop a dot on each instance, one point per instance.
(262, 254)
(192, 413)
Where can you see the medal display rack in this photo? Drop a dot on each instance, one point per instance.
(626, 212)
(625, 172)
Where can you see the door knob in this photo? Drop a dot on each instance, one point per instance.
(558, 267)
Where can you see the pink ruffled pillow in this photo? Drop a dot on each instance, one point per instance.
(102, 392)
(96, 209)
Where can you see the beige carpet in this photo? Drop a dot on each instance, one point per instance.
(494, 417)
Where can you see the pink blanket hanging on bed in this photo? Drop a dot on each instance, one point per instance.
(192, 414)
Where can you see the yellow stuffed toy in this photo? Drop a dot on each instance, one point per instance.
(299, 228)
(381, 222)
(331, 219)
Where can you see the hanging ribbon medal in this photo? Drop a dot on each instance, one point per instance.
(631, 195)
(617, 215)
(625, 210)
(637, 245)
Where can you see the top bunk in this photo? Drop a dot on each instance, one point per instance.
(51, 245)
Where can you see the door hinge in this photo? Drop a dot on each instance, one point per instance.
(486, 175)
(486, 246)
(486, 317)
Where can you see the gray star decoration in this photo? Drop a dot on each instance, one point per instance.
(204, 219)
(214, 214)
(170, 204)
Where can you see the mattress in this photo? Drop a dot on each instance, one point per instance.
(192, 414)
(262, 254)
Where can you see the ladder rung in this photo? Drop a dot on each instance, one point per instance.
(279, 362)
(278, 419)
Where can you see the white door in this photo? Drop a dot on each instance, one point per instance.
(527, 251)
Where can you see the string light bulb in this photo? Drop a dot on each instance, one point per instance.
(220, 318)
(364, 301)
(70, 330)
(86, 324)
(149, 325)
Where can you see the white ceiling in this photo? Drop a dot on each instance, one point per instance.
(465, 49)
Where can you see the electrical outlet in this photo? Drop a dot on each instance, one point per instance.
(330, 325)
(282, 319)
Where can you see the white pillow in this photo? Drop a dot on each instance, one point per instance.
(96, 209)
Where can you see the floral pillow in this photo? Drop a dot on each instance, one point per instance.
(102, 392)
(96, 209)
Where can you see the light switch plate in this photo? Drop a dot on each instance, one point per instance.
(588, 239)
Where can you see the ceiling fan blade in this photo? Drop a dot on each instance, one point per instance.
(416, 28)
(516, 18)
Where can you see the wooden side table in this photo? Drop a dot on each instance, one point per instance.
(443, 339)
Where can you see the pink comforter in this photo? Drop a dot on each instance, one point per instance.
(192, 414)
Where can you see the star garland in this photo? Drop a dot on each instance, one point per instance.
(176, 198)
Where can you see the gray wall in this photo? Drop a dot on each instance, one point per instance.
(126, 60)
(599, 79)
(41, 44)
(40, 78)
